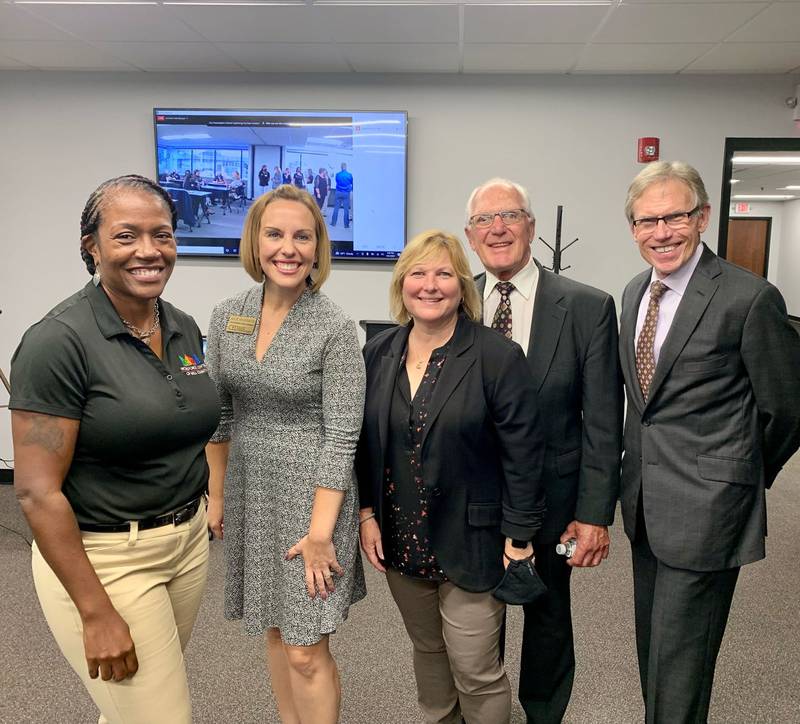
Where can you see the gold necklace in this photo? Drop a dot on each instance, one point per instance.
(134, 331)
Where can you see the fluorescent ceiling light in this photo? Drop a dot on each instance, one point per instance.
(765, 197)
(468, 3)
(735, 180)
(84, 2)
(788, 188)
(767, 160)
(236, 3)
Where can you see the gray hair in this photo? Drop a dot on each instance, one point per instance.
(504, 183)
(660, 171)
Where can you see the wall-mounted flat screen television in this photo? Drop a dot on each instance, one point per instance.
(214, 162)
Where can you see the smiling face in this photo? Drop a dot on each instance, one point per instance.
(503, 250)
(667, 249)
(133, 247)
(287, 245)
(432, 291)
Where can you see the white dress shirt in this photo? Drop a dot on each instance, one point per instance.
(525, 282)
(676, 286)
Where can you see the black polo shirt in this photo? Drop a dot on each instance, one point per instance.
(144, 421)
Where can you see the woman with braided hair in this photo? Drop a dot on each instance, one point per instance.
(111, 410)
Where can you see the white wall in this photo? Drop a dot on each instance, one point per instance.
(570, 139)
(772, 210)
(789, 262)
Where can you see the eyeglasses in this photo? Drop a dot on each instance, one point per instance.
(674, 221)
(509, 218)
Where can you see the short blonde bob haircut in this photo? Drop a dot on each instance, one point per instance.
(248, 249)
(420, 249)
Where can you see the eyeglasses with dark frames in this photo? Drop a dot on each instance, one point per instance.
(674, 221)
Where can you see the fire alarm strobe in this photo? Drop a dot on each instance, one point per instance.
(647, 150)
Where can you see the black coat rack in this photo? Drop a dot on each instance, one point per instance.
(557, 250)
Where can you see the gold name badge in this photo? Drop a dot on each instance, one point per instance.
(241, 325)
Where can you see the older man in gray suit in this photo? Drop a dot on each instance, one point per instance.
(568, 332)
(712, 373)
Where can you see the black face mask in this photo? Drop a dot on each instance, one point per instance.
(520, 584)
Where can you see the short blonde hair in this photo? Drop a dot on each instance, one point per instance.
(660, 171)
(421, 248)
(248, 249)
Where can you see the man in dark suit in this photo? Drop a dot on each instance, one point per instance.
(712, 373)
(569, 333)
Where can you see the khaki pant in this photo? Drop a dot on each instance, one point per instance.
(456, 638)
(155, 579)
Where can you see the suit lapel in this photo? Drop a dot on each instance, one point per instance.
(460, 358)
(627, 334)
(390, 366)
(698, 295)
(546, 325)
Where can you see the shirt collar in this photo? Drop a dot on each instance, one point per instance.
(524, 280)
(109, 322)
(679, 279)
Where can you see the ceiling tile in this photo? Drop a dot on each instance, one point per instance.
(402, 57)
(60, 55)
(531, 24)
(749, 58)
(17, 24)
(675, 22)
(287, 57)
(255, 24)
(116, 23)
(519, 58)
(778, 22)
(201, 57)
(393, 24)
(639, 57)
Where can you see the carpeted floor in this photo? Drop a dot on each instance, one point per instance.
(756, 682)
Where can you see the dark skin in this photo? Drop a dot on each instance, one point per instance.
(43, 449)
(134, 247)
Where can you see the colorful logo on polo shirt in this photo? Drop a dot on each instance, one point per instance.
(191, 364)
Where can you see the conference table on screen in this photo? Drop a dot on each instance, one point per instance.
(219, 192)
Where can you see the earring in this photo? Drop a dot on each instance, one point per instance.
(96, 276)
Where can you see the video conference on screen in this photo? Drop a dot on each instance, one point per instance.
(212, 163)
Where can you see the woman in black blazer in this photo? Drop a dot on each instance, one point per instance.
(448, 466)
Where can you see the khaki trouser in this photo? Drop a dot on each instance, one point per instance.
(456, 638)
(155, 579)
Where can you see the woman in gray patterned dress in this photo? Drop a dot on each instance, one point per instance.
(290, 376)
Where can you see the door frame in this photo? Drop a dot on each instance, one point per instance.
(732, 145)
(768, 219)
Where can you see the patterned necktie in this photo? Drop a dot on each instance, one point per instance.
(645, 357)
(502, 315)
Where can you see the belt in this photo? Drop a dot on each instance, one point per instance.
(175, 517)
